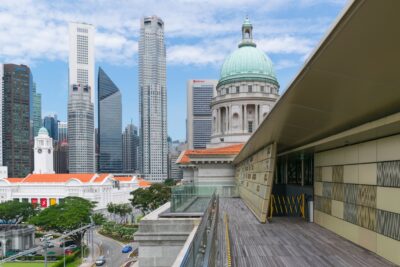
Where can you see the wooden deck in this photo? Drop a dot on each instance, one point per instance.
(286, 242)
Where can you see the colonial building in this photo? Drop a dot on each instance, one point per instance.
(245, 93)
(44, 190)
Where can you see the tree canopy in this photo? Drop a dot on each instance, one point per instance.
(71, 214)
(15, 211)
(122, 210)
(169, 182)
(148, 199)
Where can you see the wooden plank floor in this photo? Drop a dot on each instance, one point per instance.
(285, 242)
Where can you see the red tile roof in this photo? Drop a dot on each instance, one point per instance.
(184, 158)
(58, 178)
(100, 178)
(123, 178)
(143, 182)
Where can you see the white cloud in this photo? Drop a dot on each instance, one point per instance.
(197, 32)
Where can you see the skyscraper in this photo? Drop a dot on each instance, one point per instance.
(80, 130)
(16, 119)
(62, 131)
(199, 119)
(110, 124)
(1, 113)
(81, 99)
(37, 110)
(130, 149)
(153, 100)
(50, 122)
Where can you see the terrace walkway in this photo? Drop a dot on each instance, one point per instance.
(285, 242)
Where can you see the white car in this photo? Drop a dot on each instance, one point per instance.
(100, 261)
(46, 237)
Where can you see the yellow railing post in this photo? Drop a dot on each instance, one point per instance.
(228, 243)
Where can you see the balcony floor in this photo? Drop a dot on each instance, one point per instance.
(286, 242)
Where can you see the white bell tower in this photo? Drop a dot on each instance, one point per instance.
(43, 151)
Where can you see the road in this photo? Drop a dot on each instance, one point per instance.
(111, 249)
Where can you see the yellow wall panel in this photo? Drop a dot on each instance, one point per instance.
(350, 174)
(367, 239)
(388, 148)
(388, 248)
(350, 155)
(367, 173)
(388, 198)
(327, 174)
(367, 152)
(337, 209)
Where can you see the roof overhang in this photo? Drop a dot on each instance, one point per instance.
(352, 78)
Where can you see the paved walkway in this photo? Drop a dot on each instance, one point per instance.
(286, 242)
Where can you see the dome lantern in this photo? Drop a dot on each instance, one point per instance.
(247, 34)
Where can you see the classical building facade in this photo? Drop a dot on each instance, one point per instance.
(246, 91)
(43, 152)
(153, 100)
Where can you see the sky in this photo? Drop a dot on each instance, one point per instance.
(199, 35)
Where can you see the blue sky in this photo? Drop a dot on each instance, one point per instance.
(199, 36)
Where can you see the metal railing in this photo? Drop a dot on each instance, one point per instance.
(227, 242)
(202, 250)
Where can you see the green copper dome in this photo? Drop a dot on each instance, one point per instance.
(248, 62)
(43, 131)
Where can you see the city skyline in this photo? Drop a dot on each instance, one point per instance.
(194, 50)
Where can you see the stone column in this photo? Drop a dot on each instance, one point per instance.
(218, 122)
(245, 119)
(226, 119)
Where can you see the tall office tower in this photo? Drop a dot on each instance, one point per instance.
(62, 131)
(110, 124)
(174, 151)
(199, 119)
(153, 100)
(1, 112)
(61, 157)
(37, 110)
(81, 99)
(81, 156)
(130, 149)
(81, 55)
(16, 119)
(50, 122)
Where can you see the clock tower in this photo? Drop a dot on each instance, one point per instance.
(43, 151)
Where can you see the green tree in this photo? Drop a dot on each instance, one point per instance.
(71, 214)
(99, 219)
(169, 182)
(16, 212)
(148, 199)
(122, 210)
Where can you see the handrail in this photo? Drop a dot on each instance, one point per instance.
(227, 242)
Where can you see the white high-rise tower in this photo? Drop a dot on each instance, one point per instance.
(153, 100)
(43, 152)
(81, 99)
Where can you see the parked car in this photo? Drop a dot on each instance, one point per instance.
(68, 251)
(127, 249)
(50, 245)
(46, 237)
(100, 261)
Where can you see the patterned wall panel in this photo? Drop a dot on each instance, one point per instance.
(350, 193)
(388, 224)
(327, 190)
(366, 196)
(337, 174)
(318, 174)
(323, 204)
(338, 192)
(350, 213)
(254, 177)
(388, 173)
(366, 217)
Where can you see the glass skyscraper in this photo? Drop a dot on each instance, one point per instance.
(37, 110)
(130, 149)
(51, 124)
(110, 124)
(153, 100)
(16, 119)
